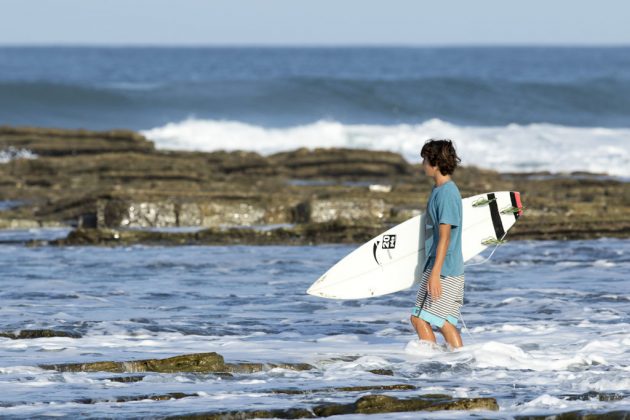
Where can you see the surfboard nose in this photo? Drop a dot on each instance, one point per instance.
(313, 290)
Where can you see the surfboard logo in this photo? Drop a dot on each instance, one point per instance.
(388, 242)
(374, 251)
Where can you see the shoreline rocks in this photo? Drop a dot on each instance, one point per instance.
(369, 404)
(31, 334)
(118, 180)
(195, 362)
(214, 363)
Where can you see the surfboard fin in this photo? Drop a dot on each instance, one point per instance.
(483, 202)
(493, 241)
(513, 209)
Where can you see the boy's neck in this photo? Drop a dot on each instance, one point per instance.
(440, 179)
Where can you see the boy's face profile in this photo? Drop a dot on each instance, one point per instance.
(428, 169)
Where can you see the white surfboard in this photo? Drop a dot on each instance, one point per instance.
(394, 260)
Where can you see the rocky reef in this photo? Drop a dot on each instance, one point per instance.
(116, 188)
(369, 404)
(31, 334)
(214, 363)
(196, 362)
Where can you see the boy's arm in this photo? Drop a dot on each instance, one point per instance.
(434, 285)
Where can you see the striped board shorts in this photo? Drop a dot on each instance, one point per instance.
(447, 307)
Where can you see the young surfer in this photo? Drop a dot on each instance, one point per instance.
(441, 292)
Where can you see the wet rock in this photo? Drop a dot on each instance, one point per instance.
(291, 413)
(372, 404)
(199, 362)
(385, 372)
(594, 395)
(28, 334)
(125, 379)
(395, 387)
(132, 398)
(194, 363)
(259, 367)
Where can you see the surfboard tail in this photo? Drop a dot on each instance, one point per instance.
(515, 197)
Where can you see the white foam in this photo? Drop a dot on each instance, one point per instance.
(11, 153)
(494, 354)
(603, 264)
(514, 148)
(547, 401)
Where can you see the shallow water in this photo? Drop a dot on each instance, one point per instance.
(547, 320)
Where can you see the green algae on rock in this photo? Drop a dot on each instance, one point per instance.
(193, 363)
(199, 362)
(371, 404)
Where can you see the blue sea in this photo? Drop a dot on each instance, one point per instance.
(548, 323)
(547, 328)
(512, 109)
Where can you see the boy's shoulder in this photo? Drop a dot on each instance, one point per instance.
(448, 189)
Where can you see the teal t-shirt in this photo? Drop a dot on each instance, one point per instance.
(445, 207)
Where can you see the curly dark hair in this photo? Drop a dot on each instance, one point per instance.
(441, 153)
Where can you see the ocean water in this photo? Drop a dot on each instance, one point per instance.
(548, 321)
(511, 109)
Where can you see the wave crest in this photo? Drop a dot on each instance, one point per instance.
(511, 148)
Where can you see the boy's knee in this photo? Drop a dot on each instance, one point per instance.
(416, 320)
(447, 327)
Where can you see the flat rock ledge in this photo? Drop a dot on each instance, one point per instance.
(118, 180)
(193, 363)
(370, 404)
(29, 334)
(308, 234)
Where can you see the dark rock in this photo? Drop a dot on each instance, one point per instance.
(594, 395)
(199, 362)
(196, 362)
(395, 387)
(125, 379)
(259, 367)
(372, 404)
(291, 413)
(385, 372)
(131, 398)
(27, 334)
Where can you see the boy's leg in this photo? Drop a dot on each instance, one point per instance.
(423, 329)
(451, 335)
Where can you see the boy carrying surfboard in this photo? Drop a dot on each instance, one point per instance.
(441, 291)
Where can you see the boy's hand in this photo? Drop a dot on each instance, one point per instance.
(434, 286)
